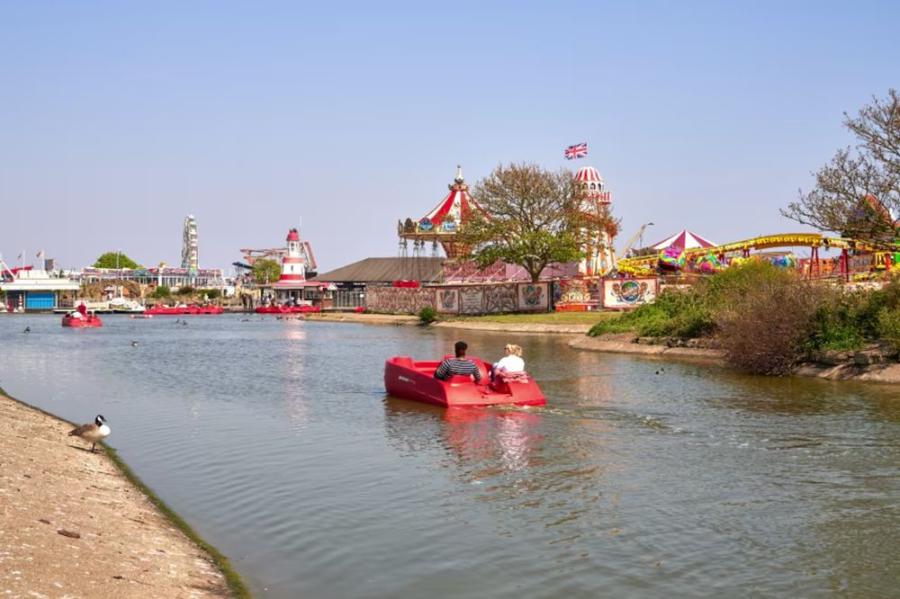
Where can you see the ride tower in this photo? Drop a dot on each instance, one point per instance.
(599, 259)
(190, 251)
(293, 263)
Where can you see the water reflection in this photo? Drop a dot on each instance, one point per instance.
(628, 483)
(294, 367)
(487, 439)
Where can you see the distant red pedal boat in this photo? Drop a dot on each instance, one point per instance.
(80, 318)
(407, 379)
(192, 310)
(287, 309)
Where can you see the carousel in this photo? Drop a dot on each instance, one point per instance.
(441, 226)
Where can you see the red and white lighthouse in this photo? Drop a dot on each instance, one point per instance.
(293, 264)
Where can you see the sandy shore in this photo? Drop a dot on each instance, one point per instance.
(72, 525)
(363, 318)
(514, 327)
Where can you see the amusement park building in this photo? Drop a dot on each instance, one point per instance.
(173, 278)
(36, 289)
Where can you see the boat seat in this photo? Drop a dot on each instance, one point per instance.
(405, 361)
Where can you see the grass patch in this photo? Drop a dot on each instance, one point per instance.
(232, 578)
(541, 318)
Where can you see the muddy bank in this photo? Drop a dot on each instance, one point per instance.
(853, 369)
(624, 344)
(72, 524)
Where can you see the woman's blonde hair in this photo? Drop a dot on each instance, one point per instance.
(515, 350)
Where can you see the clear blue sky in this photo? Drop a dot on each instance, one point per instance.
(117, 119)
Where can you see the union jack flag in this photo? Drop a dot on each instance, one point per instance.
(576, 151)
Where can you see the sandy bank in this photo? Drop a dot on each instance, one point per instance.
(72, 525)
(363, 318)
(513, 327)
(874, 373)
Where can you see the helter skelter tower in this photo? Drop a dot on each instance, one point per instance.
(442, 224)
(599, 257)
(190, 250)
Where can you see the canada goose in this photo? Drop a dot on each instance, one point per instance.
(27, 330)
(93, 432)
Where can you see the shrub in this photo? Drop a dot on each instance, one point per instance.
(766, 329)
(676, 313)
(722, 287)
(427, 315)
(888, 327)
(210, 293)
(186, 290)
(161, 291)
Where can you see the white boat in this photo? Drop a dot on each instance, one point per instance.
(117, 305)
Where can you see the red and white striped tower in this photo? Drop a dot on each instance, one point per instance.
(293, 265)
(599, 256)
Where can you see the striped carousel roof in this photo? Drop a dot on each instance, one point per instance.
(458, 204)
(685, 240)
(588, 174)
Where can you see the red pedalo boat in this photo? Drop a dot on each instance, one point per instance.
(407, 379)
(160, 310)
(287, 309)
(80, 318)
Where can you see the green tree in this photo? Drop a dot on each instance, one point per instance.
(858, 190)
(161, 292)
(115, 260)
(266, 271)
(533, 219)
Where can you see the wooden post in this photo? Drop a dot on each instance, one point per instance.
(845, 266)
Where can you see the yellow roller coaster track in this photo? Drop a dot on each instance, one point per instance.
(759, 243)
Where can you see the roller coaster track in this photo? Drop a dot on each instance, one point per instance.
(810, 240)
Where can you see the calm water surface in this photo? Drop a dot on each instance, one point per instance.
(276, 441)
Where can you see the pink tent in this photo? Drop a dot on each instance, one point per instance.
(685, 240)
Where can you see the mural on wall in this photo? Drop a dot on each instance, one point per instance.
(448, 301)
(500, 298)
(397, 300)
(533, 296)
(626, 293)
(471, 300)
(574, 292)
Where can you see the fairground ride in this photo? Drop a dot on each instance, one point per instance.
(646, 265)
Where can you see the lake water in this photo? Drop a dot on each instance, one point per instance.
(276, 441)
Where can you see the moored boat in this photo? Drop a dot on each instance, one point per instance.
(161, 310)
(408, 379)
(80, 318)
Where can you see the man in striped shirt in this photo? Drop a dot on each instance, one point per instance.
(458, 365)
